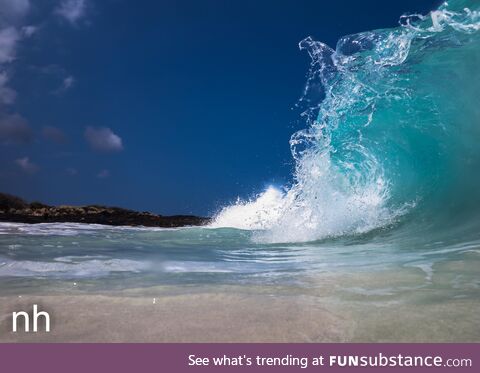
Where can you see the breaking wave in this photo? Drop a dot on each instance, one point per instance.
(392, 132)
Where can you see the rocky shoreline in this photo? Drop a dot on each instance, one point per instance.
(15, 209)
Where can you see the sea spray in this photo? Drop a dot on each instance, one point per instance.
(392, 131)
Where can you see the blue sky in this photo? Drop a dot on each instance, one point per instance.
(174, 106)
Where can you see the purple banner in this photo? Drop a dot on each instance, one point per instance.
(192, 358)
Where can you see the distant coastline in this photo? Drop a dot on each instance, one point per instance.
(16, 210)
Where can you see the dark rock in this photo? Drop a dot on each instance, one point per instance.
(7, 201)
(38, 205)
(14, 209)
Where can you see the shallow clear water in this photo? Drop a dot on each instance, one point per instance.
(92, 258)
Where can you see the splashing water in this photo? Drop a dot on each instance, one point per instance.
(392, 131)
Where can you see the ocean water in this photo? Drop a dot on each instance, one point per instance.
(383, 210)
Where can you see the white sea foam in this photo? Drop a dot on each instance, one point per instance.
(67, 229)
(322, 204)
(67, 268)
(262, 212)
(196, 267)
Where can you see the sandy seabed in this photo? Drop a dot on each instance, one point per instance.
(230, 314)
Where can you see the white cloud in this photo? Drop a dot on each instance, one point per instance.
(11, 15)
(14, 28)
(57, 72)
(72, 10)
(26, 165)
(14, 129)
(7, 94)
(103, 174)
(11, 10)
(28, 31)
(9, 37)
(103, 139)
(67, 83)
